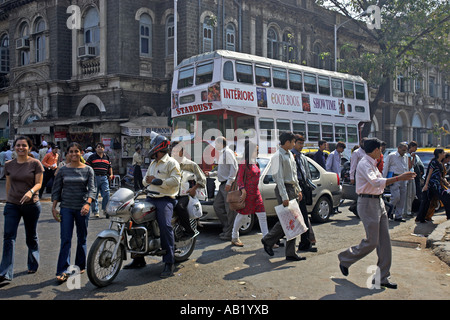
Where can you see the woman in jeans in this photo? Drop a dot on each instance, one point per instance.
(23, 181)
(247, 180)
(74, 187)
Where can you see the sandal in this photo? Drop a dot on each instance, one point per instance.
(62, 277)
(237, 242)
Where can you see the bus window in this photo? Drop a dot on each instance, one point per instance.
(186, 77)
(262, 76)
(336, 88)
(208, 121)
(339, 132)
(184, 122)
(265, 127)
(246, 126)
(324, 85)
(295, 80)
(283, 126)
(244, 72)
(299, 127)
(313, 131)
(352, 134)
(279, 78)
(360, 109)
(228, 72)
(204, 72)
(327, 131)
(348, 89)
(360, 95)
(310, 83)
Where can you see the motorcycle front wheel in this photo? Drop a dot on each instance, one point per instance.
(101, 269)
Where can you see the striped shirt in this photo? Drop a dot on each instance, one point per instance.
(73, 186)
(101, 165)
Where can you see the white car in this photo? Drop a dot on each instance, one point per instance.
(326, 196)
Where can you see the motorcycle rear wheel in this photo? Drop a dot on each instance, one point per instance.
(101, 270)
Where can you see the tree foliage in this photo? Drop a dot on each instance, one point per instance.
(413, 34)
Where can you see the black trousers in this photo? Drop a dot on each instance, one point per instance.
(48, 175)
(182, 213)
(137, 175)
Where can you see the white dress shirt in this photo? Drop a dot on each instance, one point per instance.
(395, 163)
(368, 178)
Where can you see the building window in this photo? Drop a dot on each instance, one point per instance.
(432, 86)
(145, 27)
(401, 83)
(208, 35)
(170, 35)
(317, 59)
(92, 30)
(231, 37)
(272, 44)
(4, 55)
(290, 52)
(40, 40)
(23, 45)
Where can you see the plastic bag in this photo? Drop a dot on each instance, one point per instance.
(291, 219)
(194, 208)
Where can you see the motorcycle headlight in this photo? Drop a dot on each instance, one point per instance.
(112, 208)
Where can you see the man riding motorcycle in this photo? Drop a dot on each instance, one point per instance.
(163, 176)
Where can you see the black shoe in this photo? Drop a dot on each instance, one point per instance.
(137, 263)
(306, 248)
(399, 220)
(168, 271)
(295, 258)
(186, 236)
(389, 285)
(268, 249)
(344, 270)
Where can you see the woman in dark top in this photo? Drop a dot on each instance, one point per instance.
(433, 187)
(23, 181)
(74, 187)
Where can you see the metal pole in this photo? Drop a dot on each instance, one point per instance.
(175, 34)
(335, 48)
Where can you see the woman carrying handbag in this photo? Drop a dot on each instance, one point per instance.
(247, 181)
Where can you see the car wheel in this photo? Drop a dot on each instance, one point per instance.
(322, 210)
(248, 223)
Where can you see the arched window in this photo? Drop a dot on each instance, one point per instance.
(231, 37)
(208, 35)
(91, 28)
(90, 110)
(290, 52)
(145, 27)
(4, 54)
(272, 44)
(317, 61)
(23, 44)
(40, 40)
(170, 35)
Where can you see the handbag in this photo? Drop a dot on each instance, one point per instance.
(234, 199)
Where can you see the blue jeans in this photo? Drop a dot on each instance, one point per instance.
(102, 184)
(69, 218)
(13, 213)
(164, 213)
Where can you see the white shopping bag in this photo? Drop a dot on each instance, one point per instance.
(291, 219)
(194, 208)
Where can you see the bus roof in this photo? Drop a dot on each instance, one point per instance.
(265, 61)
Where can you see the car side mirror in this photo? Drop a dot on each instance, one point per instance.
(268, 179)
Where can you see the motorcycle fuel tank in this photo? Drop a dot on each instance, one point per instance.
(143, 211)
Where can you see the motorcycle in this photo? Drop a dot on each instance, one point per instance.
(133, 228)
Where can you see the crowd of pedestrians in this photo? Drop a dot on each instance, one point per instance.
(76, 182)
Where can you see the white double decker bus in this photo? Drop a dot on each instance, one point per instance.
(259, 97)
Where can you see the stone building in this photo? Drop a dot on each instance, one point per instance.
(98, 70)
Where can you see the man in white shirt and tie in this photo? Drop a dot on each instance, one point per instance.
(396, 164)
(370, 186)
